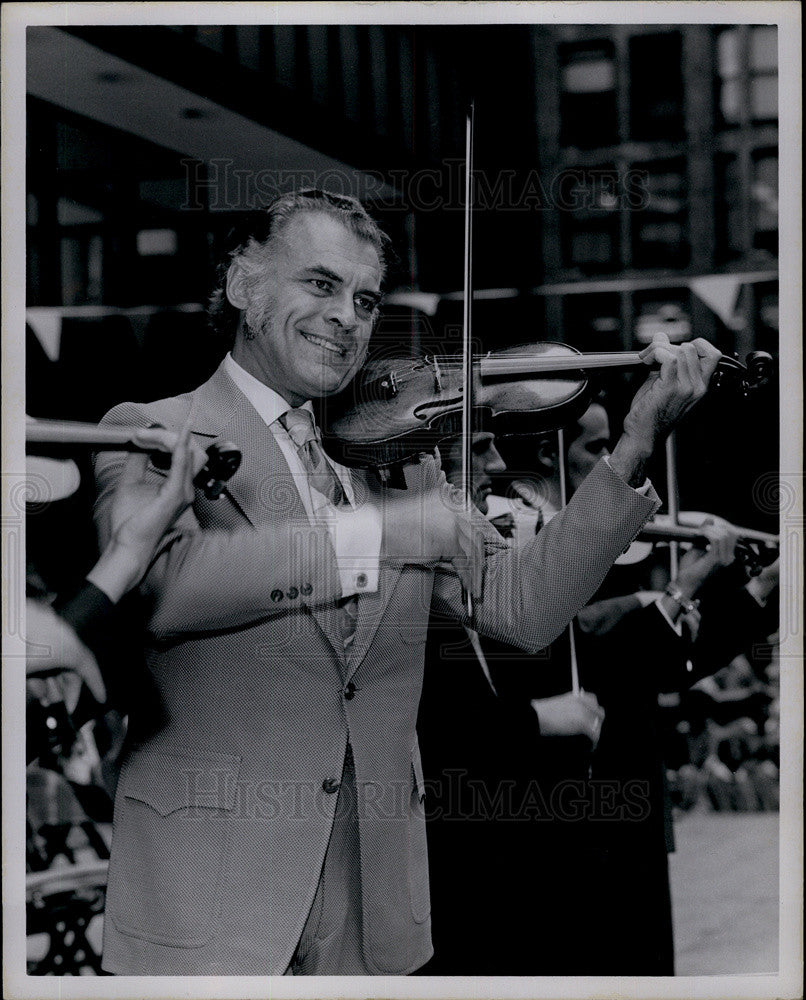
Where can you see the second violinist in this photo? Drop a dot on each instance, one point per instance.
(582, 882)
(287, 623)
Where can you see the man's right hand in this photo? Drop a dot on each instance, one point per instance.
(570, 714)
(432, 528)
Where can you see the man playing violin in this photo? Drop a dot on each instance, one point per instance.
(274, 823)
(632, 644)
(481, 770)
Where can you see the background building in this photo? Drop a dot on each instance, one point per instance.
(626, 181)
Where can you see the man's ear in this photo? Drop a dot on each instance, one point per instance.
(547, 457)
(236, 285)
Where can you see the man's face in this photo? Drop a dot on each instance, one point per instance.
(591, 444)
(486, 462)
(313, 316)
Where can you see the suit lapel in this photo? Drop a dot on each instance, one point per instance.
(263, 488)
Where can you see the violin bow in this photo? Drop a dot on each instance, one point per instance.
(562, 464)
(467, 337)
(673, 492)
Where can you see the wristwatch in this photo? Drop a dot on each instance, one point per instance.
(676, 594)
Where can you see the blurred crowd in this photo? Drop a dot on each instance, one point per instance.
(723, 737)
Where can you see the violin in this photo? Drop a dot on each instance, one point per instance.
(49, 437)
(754, 549)
(397, 408)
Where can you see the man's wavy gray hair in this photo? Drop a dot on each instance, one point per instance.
(250, 242)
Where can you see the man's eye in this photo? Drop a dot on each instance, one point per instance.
(320, 284)
(365, 304)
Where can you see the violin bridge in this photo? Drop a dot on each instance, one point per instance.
(437, 375)
(389, 386)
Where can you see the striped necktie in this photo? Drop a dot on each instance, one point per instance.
(322, 478)
(321, 474)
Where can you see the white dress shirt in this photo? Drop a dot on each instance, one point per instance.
(356, 534)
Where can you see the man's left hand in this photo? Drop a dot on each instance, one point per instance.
(679, 383)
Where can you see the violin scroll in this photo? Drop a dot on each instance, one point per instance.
(751, 377)
(754, 549)
(223, 461)
(59, 437)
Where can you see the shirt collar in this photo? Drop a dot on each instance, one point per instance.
(269, 404)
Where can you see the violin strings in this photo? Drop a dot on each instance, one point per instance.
(529, 364)
(535, 364)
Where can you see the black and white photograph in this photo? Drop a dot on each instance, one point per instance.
(402, 500)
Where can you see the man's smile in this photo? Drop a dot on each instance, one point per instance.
(323, 342)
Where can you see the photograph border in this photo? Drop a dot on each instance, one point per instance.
(15, 18)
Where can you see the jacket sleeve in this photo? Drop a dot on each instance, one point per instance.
(87, 610)
(530, 594)
(211, 579)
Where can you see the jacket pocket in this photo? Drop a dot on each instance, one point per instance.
(418, 849)
(173, 824)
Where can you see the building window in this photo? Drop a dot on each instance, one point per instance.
(659, 228)
(763, 59)
(81, 269)
(764, 199)
(588, 95)
(728, 208)
(656, 86)
(747, 75)
(729, 74)
(590, 221)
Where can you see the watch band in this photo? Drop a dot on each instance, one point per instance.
(676, 594)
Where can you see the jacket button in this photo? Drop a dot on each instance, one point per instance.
(330, 785)
(277, 596)
(306, 590)
(349, 691)
(292, 593)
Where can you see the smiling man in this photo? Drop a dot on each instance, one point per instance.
(309, 300)
(273, 823)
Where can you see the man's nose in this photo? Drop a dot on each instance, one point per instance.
(341, 311)
(494, 461)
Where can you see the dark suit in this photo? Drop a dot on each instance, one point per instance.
(481, 754)
(538, 868)
(223, 816)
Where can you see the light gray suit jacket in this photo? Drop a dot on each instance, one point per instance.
(222, 817)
